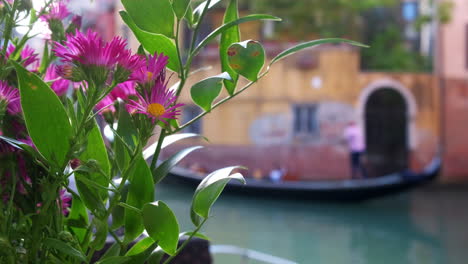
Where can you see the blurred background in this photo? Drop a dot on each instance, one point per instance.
(407, 94)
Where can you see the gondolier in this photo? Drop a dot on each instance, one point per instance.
(357, 147)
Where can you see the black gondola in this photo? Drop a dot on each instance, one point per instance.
(336, 190)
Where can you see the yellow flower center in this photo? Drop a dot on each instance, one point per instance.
(67, 71)
(156, 109)
(149, 76)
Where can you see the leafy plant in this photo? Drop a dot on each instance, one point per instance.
(50, 113)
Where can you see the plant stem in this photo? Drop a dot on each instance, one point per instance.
(185, 242)
(10, 203)
(9, 26)
(158, 149)
(220, 103)
(192, 47)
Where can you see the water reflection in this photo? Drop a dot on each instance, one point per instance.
(410, 228)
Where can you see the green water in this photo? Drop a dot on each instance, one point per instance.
(429, 225)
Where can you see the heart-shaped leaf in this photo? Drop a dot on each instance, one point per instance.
(152, 16)
(205, 92)
(162, 225)
(246, 58)
(231, 35)
(209, 190)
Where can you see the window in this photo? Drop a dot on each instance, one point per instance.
(305, 119)
(188, 113)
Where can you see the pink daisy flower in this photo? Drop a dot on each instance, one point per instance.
(89, 54)
(159, 105)
(58, 11)
(10, 97)
(123, 90)
(59, 85)
(153, 70)
(28, 56)
(106, 105)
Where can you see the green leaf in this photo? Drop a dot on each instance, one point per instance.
(115, 260)
(246, 58)
(189, 16)
(141, 246)
(154, 42)
(118, 214)
(224, 27)
(180, 7)
(126, 136)
(113, 251)
(205, 91)
(100, 235)
(143, 256)
(64, 248)
(162, 226)
(163, 169)
(198, 234)
(168, 140)
(209, 190)
(46, 119)
(311, 44)
(156, 256)
(199, 9)
(152, 16)
(23, 146)
(78, 214)
(141, 191)
(91, 199)
(229, 36)
(96, 150)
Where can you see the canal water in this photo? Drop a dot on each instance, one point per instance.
(428, 225)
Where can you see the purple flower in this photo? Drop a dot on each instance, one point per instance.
(76, 21)
(59, 85)
(58, 11)
(10, 97)
(89, 54)
(65, 201)
(123, 90)
(105, 105)
(153, 70)
(159, 104)
(27, 55)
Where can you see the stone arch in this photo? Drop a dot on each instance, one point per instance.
(408, 97)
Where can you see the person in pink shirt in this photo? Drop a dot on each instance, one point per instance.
(357, 146)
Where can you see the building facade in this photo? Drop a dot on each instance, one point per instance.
(295, 116)
(452, 70)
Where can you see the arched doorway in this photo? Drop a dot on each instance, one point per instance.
(386, 128)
